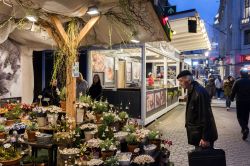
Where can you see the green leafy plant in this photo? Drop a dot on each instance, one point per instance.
(63, 94)
(132, 139)
(129, 128)
(104, 132)
(7, 152)
(111, 161)
(32, 126)
(123, 115)
(152, 135)
(14, 113)
(2, 128)
(107, 144)
(108, 119)
(99, 107)
(85, 99)
(28, 160)
(171, 94)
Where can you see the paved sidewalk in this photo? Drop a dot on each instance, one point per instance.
(172, 126)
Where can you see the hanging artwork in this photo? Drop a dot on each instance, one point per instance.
(109, 69)
(98, 62)
(10, 71)
(136, 71)
(171, 72)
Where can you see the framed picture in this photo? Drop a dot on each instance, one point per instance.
(136, 71)
(150, 101)
(129, 71)
(98, 62)
(101, 75)
(109, 64)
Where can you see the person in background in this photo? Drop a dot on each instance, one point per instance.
(52, 93)
(95, 91)
(210, 87)
(241, 90)
(150, 79)
(218, 84)
(81, 86)
(227, 86)
(199, 123)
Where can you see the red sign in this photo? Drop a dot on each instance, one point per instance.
(245, 58)
(164, 20)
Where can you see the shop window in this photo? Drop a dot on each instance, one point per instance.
(247, 37)
(247, 9)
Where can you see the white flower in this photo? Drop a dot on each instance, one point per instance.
(6, 146)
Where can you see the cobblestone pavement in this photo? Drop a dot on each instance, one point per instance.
(172, 127)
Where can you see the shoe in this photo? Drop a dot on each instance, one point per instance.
(228, 108)
(245, 134)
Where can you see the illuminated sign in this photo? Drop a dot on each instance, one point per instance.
(245, 58)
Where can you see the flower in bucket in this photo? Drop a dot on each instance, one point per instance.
(153, 135)
(26, 107)
(108, 145)
(142, 133)
(110, 118)
(8, 152)
(111, 161)
(40, 111)
(143, 160)
(90, 115)
(54, 109)
(123, 115)
(84, 102)
(93, 143)
(88, 127)
(129, 128)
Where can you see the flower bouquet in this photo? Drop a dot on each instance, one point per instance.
(132, 142)
(108, 148)
(89, 130)
(154, 138)
(111, 161)
(40, 113)
(19, 127)
(99, 107)
(13, 114)
(143, 160)
(2, 132)
(9, 155)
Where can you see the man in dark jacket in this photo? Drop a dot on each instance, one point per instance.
(241, 89)
(200, 123)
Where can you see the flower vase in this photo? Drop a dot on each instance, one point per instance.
(106, 154)
(79, 115)
(88, 135)
(41, 121)
(31, 136)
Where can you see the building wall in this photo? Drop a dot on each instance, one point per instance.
(232, 44)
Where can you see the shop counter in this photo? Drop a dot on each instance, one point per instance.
(125, 97)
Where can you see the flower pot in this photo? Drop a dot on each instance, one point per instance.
(156, 142)
(9, 122)
(63, 105)
(2, 135)
(131, 148)
(41, 121)
(98, 118)
(107, 154)
(28, 164)
(13, 162)
(79, 115)
(41, 164)
(88, 135)
(31, 136)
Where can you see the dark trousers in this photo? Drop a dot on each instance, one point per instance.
(228, 101)
(243, 110)
(218, 91)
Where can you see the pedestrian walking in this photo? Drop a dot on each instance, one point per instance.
(210, 87)
(218, 84)
(227, 87)
(241, 91)
(199, 123)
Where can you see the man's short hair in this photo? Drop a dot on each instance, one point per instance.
(244, 72)
(184, 73)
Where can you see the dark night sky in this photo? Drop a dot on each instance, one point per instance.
(207, 9)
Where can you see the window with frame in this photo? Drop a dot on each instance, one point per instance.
(247, 9)
(247, 37)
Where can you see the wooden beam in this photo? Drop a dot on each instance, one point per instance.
(53, 36)
(58, 25)
(87, 28)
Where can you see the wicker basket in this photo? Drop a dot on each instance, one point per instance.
(44, 138)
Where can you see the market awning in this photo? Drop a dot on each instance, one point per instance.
(111, 28)
(182, 39)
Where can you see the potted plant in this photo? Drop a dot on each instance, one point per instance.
(99, 107)
(89, 130)
(111, 161)
(2, 132)
(104, 132)
(129, 128)
(124, 117)
(132, 142)
(41, 116)
(19, 127)
(64, 139)
(154, 138)
(41, 160)
(28, 161)
(9, 156)
(63, 99)
(85, 102)
(170, 97)
(13, 114)
(143, 160)
(31, 131)
(108, 148)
